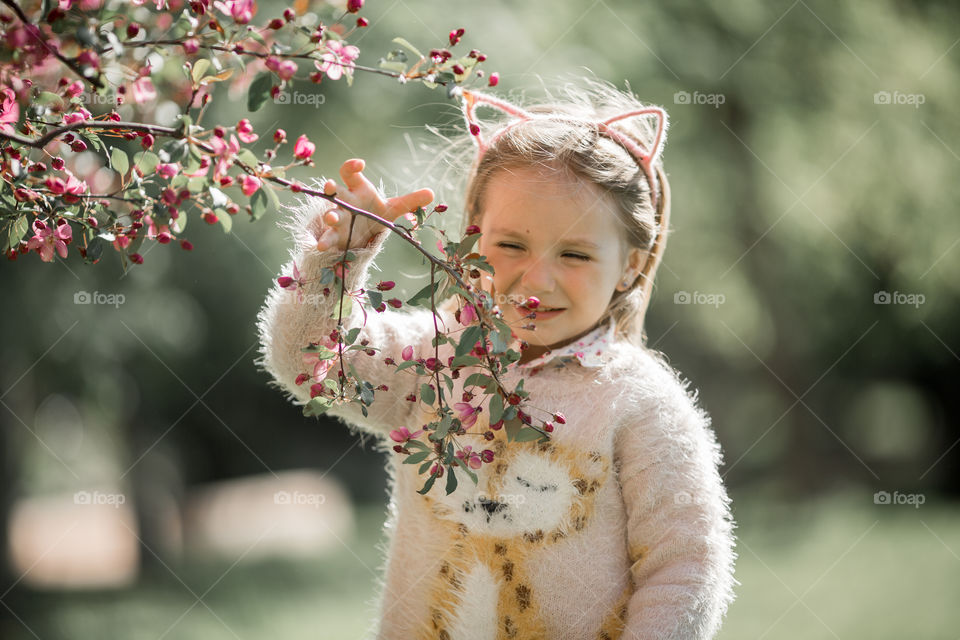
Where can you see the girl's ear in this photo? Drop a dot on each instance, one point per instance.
(633, 265)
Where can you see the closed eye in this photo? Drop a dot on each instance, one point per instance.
(575, 256)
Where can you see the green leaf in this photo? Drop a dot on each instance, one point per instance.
(423, 468)
(119, 161)
(351, 336)
(196, 185)
(427, 485)
(147, 161)
(467, 244)
(416, 444)
(406, 365)
(469, 338)
(259, 90)
(465, 361)
(427, 394)
(444, 428)
(258, 204)
(528, 434)
(246, 156)
(317, 406)
(177, 225)
(496, 408)
(393, 65)
(477, 379)
(512, 427)
(423, 295)
(451, 481)
(414, 458)
(199, 68)
(467, 469)
(376, 298)
(17, 230)
(412, 49)
(225, 219)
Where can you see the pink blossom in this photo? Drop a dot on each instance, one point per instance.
(77, 116)
(46, 240)
(225, 152)
(74, 89)
(143, 90)
(9, 110)
(240, 10)
(337, 59)
(470, 457)
(249, 185)
(202, 171)
(295, 283)
(407, 353)
(245, 131)
(467, 413)
(160, 3)
(320, 367)
(468, 315)
(303, 148)
(402, 434)
(167, 171)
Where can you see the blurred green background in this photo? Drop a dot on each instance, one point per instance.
(807, 293)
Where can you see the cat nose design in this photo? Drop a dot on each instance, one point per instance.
(492, 507)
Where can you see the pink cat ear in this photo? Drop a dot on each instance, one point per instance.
(646, 158)
(474, 99)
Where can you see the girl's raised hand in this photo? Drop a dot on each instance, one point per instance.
(332, 228)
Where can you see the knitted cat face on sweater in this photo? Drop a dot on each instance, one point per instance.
(531, 489)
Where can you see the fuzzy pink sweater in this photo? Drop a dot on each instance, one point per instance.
(618, 527)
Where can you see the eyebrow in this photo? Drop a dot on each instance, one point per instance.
(580, 242)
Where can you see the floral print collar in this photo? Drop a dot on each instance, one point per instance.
(590, 350)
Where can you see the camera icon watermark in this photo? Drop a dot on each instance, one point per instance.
(299, 97)
(897, 97)
(85, 297)
(96, 498)
(501, 498)
(711, 99)
(697, 297)
(299, 498)
(685, 497)
(509, 298)
(885, 297)
(885, 497)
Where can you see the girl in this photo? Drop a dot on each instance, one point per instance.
(619, 525)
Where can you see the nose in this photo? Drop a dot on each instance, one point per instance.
(537, 277)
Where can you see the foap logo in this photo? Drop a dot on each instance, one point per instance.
(685, 497)
(95, 98)
(85, 297)
(897, 297)
(913, 499)
(698, 297)
(897, 97)
(501, 498)
(299, 97)
(95, 498)
(711, 99)
(299, 498)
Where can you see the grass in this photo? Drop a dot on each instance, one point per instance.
(837, 568)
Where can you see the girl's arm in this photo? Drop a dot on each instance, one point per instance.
(290, 320)
(679, 527)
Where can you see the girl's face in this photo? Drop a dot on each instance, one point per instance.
(558, 239)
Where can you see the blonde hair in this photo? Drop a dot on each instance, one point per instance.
(572, 142)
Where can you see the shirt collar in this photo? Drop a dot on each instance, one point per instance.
(591, 350)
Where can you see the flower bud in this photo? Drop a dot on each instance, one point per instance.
(133, 29)
(276, 23)
(386, 286)
(279, 136)
(136, 258)
(147, 141)
(395, 303)
(354, 5)
(472, 229)
(289, 15)
(493, 79)
(559, 419)
(210, 218)
(362, 22)
(186, 245)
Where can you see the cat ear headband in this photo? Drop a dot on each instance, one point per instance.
(645, 158)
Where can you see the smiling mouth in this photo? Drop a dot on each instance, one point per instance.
(541, 310)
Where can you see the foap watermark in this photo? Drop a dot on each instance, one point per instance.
(898, 97)
(96, 497)
(712, 99)
(698, 297)
(85, 297)
(299, 97)
(97, 99)
(501, 498)
(297, 497)
(685, 497)
(913, 499)
(897, 297)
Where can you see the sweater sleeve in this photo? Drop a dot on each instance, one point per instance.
(288, 322)
(679, 526)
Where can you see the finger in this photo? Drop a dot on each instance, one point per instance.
(329, 187)
(400, 205)
(332, 218)
(352, 176)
